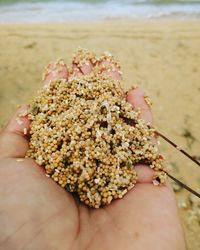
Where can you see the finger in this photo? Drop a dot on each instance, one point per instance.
(83, 62)
(76, 71)
(144, 173)
(110, 66)
(84, 69)
(111, 69)
(137, 98)
(55, 70)
(14, 138)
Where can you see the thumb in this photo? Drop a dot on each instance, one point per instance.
(14, 138)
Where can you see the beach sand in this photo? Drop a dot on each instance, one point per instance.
(163, 57)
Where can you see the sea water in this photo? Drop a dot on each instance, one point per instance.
(44, 11)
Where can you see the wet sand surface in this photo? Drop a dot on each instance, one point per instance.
(161, 56)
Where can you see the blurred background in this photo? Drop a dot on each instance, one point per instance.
(67, 10)
(158, 45)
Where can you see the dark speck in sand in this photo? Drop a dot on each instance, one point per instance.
(190, 139)
(195, 69)
(30, 45)
(182, 45)
(158, 93)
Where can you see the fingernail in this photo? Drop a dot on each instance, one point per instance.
(86, 67)
(55, 70)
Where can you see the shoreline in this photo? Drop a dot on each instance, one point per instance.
(108, 19)
(169, 24)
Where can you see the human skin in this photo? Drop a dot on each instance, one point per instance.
(37, 214)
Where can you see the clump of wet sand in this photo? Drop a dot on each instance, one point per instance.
(87, 136)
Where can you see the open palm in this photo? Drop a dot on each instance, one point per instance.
(35, 213)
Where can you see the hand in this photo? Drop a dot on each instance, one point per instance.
(35, 213)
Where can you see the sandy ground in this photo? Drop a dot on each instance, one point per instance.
(161, 56)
